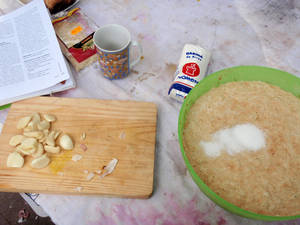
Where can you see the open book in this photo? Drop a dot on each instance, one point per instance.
(31, 62)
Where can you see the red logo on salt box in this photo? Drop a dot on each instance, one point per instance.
(191, 69)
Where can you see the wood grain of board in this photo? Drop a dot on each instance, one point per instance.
(125, 130)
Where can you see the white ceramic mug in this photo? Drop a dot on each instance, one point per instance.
(113, 43)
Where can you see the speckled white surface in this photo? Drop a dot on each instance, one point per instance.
(240, 32)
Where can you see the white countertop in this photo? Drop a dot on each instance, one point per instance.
(237, 33)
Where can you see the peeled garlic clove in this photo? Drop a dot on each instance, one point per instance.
(32, 126)
(50, 117)
(15, 160)
(34, 134)
(39, 151)
(36, 117)
(18, 149)
(56, 134)
(22, 123)
(29, 151)
(29, 143)
(52, 149)
(40, 162)
(50, 139)
(43, 125)
(43, 139)
(66, 142)
(15, 140)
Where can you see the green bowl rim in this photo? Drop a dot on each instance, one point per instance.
(4, 106)
(203, 187)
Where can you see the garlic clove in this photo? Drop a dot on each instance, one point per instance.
(29, 143)
(15, 160)
(32, 126)
(40, 162)
(43, 125)
(50, 117)
(23, 122)
(36, 117)
(34, 134)
(66, 142)
(43, 139)
(29, 151)
(19, 149)
(56, 134)
(15, 140)
(50, 139)
(52, 149)
(39, 151)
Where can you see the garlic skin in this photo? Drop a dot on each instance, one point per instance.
(66, 142)
(110, 167)
(76, 157)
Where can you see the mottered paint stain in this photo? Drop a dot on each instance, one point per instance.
(171, 212)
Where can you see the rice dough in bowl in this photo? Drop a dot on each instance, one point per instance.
(243, 140)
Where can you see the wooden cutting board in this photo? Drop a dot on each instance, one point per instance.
(124, 130)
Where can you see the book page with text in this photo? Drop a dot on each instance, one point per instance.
(30, 57)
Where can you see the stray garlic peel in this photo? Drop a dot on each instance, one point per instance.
(15, 160)
(66, 142)
(110, 167)
(40, 162)
(78, 189)
(76, 157)
(83, 147)
(90, 176)
(83, 136)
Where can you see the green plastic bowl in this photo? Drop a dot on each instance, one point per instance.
(284, 80)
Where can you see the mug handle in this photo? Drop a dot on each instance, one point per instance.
(140, 51)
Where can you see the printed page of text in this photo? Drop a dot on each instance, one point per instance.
(30, 57)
